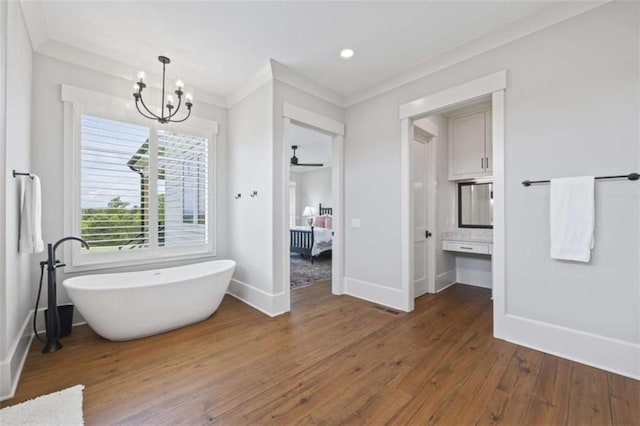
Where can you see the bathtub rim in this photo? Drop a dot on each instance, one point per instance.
(75, 283)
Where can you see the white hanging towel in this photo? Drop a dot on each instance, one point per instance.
(31, 217)
(572, 218)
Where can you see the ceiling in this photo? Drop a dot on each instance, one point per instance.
(216, 46)
(313, 147)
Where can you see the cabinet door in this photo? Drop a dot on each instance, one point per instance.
(468, 150)
(488, 142)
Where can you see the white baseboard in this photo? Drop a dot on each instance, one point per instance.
(266, 303)
(601, 352)
(476, 284)
(11, 366)
(280, 304)
(375, 293)
(445, 280)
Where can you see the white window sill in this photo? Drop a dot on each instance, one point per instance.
(97, 266)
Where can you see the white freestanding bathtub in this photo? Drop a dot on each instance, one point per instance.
(130, 305)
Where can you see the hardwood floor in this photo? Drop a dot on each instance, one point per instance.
(332, 360)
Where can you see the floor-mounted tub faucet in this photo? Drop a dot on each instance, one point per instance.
(52, 320)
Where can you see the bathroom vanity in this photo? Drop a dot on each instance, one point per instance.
(472, 242)
(472, 251)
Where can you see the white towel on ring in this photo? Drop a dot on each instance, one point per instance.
(31, 217)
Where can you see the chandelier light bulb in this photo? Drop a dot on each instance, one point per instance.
(136, 87)
(179, 84)
(141, 76)
(170, 99)
(189, 97)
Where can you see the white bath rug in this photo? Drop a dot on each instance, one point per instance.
(58, 408)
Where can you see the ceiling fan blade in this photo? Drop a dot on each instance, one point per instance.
(295, 162)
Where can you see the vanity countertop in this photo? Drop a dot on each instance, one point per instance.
(484, 236)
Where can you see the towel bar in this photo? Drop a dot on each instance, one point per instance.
(630, 176)
(21, 174)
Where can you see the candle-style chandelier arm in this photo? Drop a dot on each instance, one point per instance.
(171, 114)
(153, 117)
(184, 119)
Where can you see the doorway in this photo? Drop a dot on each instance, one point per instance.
(310, 207)
(410, 113)
(295, 117)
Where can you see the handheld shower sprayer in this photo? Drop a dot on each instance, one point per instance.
(52, 320)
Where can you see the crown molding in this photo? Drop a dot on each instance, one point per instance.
(36, 20)
(250, 85)
(274, 70)
(551, 15)
(108, 66)
(286, 75)
(37, 26)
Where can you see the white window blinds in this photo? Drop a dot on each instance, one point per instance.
(114, 186)
(117, 162)
(182, 189)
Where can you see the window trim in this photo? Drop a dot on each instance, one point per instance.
(81, 101)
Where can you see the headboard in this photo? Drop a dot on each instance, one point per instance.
(324, 210)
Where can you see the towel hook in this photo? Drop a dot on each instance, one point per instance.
(254, 193)
(238, 195)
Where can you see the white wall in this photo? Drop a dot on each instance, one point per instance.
(250, 168)
(474, 269)
(315, 188)
(16, 282)
(256, 159)
(571, 109)
(48, 149)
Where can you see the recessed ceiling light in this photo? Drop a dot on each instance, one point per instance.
(346, 53)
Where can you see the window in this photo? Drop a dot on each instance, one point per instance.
(137, 191)
(116, 192)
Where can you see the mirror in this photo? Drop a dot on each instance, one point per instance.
(475, 205)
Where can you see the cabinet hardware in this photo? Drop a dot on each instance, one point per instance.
(427, 234)
(487, 162)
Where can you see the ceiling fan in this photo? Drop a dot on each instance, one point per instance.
(295, 162)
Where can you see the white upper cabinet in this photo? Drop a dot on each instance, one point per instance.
(470, 146)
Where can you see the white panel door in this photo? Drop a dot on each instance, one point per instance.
(419, 181)
(468, 144)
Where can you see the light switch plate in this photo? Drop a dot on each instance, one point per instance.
(356, 223)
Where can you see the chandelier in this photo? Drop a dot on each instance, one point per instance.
(171, 109)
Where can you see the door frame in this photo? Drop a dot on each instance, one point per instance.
(430, 139)
(295, 114)
(492, 85)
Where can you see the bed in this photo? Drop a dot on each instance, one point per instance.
(311, 241)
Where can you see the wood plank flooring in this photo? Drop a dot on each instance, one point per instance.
(333, 360)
